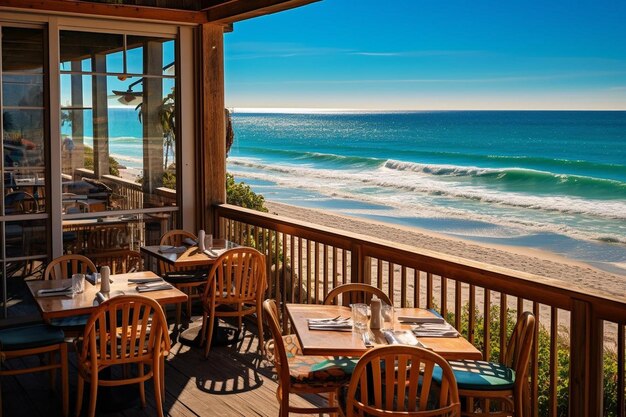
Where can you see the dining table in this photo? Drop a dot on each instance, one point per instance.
(64, 305)
(188, 255)
(351, 342)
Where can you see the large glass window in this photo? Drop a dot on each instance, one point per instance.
(24, 132)
(118, 127)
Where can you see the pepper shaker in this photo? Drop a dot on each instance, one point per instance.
(375, 309)
(105, 284)
(201, 236)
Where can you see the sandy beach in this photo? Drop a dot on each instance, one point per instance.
(523, 259)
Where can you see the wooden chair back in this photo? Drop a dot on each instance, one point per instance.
(280, 354)
(356, 293)
(174, 238)
(120, 262)
(125, 329)
(20, 202)
(236, 277)
(397, 378)
(520, 344)
(64, 266)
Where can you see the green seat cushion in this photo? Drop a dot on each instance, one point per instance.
(480, 375)
(320, 370)
(28, 337)
(73, 321)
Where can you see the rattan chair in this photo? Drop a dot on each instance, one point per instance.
(37, 339)
(398, 379)
(124, 330)
(64, 266)
(356, 293)
(485, 384)
(186, 279)
(237, 279)
(303, 374)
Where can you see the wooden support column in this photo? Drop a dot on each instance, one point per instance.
(586, 361)
(152, 128)
(100, 117)
(74, 151)
(211, 149)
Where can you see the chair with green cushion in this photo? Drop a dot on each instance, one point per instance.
(397, 380)
(300, 374)
(37, 339)
(64, 267)
(484, 384)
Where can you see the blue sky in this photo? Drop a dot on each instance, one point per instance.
(421, 55)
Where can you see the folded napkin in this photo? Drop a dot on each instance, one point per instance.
(144, 280)
(417, 320)
(214, 253)
(435, 330)
(154, 286)
(102, 297)
(54, 292)
(172, 249)
(341, 325)
(399, 337)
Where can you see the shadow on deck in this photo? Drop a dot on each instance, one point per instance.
(234, 381)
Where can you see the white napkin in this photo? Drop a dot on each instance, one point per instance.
(342, 325)
(435, 330)
(154, 286)
(54, 292)
(172, 249)
(144, 280)
(417, 320)
(400, 337)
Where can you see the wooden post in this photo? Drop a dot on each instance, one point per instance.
(586, 361)
(100, 117)
(75, 157)
(211, 149)
(152, 128)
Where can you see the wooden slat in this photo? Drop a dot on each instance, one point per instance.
(403, 288)
(457, 305)
(472, 314)
(534, 365)
(444, 296)
(503, 325)
(429, 290)
(487, 325)
(553, 387)
(621, 375)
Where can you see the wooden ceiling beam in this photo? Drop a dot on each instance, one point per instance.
(231, 11)
(113, 10)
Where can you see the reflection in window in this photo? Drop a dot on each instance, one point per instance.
(118, 122)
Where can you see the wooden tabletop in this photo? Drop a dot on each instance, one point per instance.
(192, 256)
(335, 343)
(65, 306)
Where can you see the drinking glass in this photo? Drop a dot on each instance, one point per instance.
(388, 314)
(359, 316)
(208, 241)
(78, 283)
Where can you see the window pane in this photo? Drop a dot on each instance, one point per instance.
(22, 50)
(22, 90)
(77, 46)
(26, 238)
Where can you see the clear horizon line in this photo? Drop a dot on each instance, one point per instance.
(304, 110)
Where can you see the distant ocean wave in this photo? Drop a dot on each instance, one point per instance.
(522, 179)
(398, 180)
(402, 207)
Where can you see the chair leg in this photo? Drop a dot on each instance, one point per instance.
(156, 377)
(93, 395)
(142, 385)
(259, 316)
(65, 386)
(179, 308)
(209, 333)
(79, 394)
(162, 369)
(53, 372)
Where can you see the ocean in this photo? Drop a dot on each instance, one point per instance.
(550, 180)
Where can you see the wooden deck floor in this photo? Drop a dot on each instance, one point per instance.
(234, 381)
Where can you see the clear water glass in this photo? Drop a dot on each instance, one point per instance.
(360, 316)
(208, 241)
(388, 316)
(78, 283)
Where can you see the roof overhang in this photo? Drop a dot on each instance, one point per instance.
(223, 12)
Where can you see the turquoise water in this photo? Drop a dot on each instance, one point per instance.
(549, 180)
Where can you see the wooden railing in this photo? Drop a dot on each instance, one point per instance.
(579, 330)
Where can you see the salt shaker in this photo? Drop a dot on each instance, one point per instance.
(105, 284)
(375, 309)
(201, 235)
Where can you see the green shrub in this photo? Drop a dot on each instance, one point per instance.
(240, 194)
(114, 166)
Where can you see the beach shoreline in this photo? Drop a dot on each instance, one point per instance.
(523, 259)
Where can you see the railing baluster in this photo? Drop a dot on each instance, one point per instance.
(403, 288)
(429, 290)
(300, 278)
(621, 376)
(503, 324)
(416, 286)
(344, 266)
(472, 314)
(335, 272)
(554, 363)
(391, 277)
(457, 304)
(487, 325)
(444, 296)
(316, 270)
(325, 271)
(534, 366)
